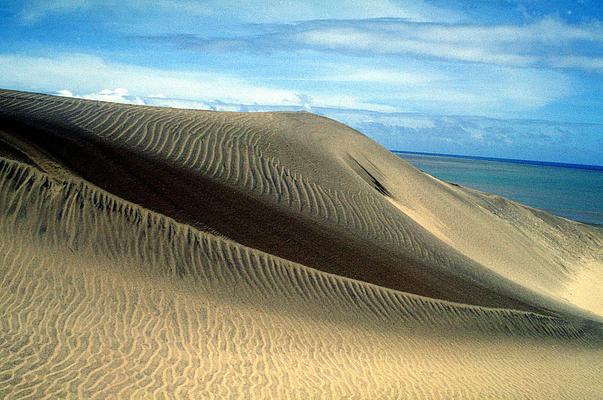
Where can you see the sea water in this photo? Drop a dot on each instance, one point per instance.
(568, 190)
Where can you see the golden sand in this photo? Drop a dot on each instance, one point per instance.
(160, 253)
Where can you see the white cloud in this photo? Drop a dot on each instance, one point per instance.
(443, 87)
(547, 30)
(474, 89)
(90, 76)
(119, 95)
(65, 93)
(549, 42)
(539, 43)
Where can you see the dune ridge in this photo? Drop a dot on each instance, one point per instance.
(113, 288)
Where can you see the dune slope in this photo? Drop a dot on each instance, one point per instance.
(174, 253)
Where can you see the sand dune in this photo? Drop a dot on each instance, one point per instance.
(164, 253)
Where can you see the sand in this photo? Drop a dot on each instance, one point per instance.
(161, 253)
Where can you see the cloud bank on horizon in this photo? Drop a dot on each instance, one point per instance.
(490, 79)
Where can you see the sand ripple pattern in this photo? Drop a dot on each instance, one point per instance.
(339, 188)
(101, 298)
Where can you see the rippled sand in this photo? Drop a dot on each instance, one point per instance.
(160, 253)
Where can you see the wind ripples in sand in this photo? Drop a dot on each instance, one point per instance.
(204, 255)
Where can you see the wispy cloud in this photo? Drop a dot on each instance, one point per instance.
(486, 91)
(33, 11)
(254, 11)
(579, 62)
(119, 95)
(549, 42)
(91, 75)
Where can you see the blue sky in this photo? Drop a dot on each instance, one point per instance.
(503, 78)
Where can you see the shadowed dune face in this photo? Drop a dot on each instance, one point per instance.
(164, 252)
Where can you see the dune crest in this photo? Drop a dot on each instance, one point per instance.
(154, 252)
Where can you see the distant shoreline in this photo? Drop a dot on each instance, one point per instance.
(507, 160)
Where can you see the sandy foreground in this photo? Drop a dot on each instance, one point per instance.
(161, 253)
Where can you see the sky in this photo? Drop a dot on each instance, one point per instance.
(516, 79)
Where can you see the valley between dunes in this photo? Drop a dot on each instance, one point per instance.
(161, 253)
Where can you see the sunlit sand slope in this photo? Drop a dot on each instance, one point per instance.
(171, 253)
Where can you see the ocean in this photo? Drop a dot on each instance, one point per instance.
(569, 190)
